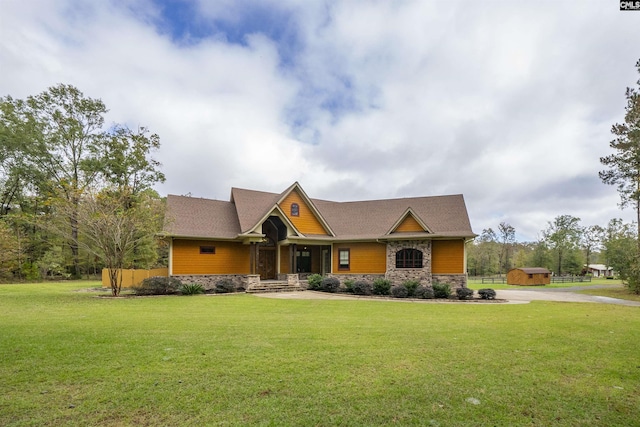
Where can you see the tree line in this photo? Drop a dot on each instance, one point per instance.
(75, 195)
(565, 247)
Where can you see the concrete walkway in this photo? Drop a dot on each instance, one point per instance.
(558, 294)
(508, 296)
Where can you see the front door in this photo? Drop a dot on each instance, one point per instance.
(267, 263)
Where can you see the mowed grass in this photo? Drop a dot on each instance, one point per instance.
(71, 358)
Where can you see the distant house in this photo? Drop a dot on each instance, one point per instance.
(599, 270)
(258, 236)
(533, 276)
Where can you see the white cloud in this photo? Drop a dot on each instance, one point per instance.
(496, 100)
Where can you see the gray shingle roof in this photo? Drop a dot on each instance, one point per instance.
(445, 216)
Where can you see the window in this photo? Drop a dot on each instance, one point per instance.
(409, 258)
(207, 249)
(295, 209)
(530, 276)
(343, 259)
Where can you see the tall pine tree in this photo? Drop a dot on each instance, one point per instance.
(624, 169)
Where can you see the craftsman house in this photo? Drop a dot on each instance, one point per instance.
(258, 236)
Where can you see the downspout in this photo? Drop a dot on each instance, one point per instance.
(170, 257)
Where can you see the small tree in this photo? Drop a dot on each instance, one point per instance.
(112, 225)
(563, 236)
(591, 241)
(619, 250)
(507, 239)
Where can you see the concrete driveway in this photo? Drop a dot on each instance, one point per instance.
(508, 296)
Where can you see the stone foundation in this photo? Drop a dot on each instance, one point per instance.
(357, 277)
(454, 280)
(208, 281)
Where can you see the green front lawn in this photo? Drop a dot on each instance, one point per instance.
(72, 358)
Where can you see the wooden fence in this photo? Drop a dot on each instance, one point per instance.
(131, 278)
(570, 279)
(554, 279)
(494, 280)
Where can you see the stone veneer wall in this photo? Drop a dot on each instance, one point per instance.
(400, 275)
(356, 277)
(455, 280)
(208, 281)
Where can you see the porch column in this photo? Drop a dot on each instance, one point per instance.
(253, 257)
(293, 258)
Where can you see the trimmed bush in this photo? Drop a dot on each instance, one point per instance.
(464, 293)
(191, 289)
(381, 286)
(487, 293)
(225, 286)
(411, 286)
(399, 291)
(424, 292)
(441, 290)
(315, 281)
(158, 285)
(348, 286)
(330, 284)
(361, 287)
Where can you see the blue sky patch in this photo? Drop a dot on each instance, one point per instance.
(187, 25)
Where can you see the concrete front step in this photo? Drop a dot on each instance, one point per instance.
(265, 287)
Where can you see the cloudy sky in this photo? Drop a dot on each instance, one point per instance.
(507, 102)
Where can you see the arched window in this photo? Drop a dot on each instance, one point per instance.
(409, 258)
(295, 209)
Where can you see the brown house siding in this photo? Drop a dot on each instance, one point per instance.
(447, 257)
(229, 258)
(306, 221)
(284, 260)
(409, 224)
(365, 258)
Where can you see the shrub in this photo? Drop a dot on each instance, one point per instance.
(158, 285)
(411, 286)
(330, 284)
(441, 290)
(361, 287)
(225, 286)
(191, 289)
(348, 285)
(315, 281)
(399, 291)
(464, 293)
(381, 286)
(425, 292)
(487, 293)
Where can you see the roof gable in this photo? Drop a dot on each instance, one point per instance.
(409, 223)
(446, 216)
(308, 219)
(252, 206)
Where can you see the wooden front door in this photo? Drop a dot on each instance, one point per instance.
(267, 263)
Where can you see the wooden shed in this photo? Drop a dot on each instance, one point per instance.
(533, 276)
